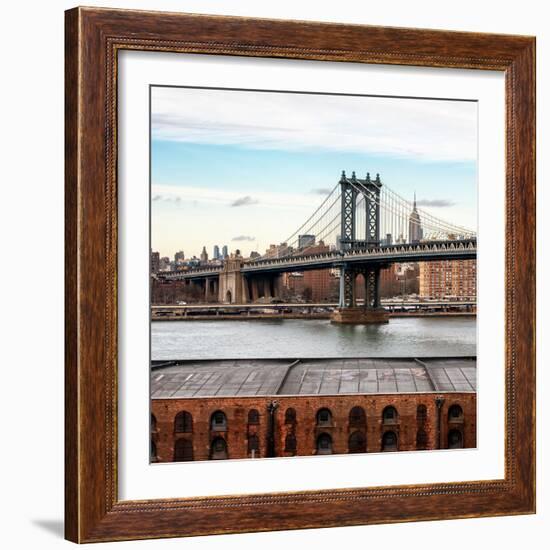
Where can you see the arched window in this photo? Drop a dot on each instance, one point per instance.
(421, 414)
(324, 444)
(455, 439)
(218, 449)
(421, 440)
(254, 445)
(153, 423)
(253, 416)
(218, 422)
(183, 450)
(389, 415)
(290, 443)
(357, 417)
(153, 452)
(389, 441)
(183, 422)
(455, 413)
(290, 416)
(324, 417)
(357, 443)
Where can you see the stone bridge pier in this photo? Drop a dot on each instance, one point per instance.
(264, 287)
(237, 288)
(232, 284)
(348, 311)
(211, 290)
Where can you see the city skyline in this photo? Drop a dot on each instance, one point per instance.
(249, 182)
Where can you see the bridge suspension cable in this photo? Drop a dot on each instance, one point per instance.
(395, 212)
(400, 221)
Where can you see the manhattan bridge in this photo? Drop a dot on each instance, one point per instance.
(372, 226)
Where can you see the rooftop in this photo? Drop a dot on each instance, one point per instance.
(259, 377)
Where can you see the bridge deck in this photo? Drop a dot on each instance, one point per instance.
(396, 253)
(260, 377)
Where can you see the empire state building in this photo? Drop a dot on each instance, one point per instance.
(415, 225)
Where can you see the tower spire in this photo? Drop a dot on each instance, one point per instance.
(414, 204)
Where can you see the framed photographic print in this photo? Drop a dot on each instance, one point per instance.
(300, 282)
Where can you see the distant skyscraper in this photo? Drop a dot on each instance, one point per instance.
(216, 253)
(225, 252)
(306, 240)
(155, 262)
(179, 256)
(415, 225)
(204, 255)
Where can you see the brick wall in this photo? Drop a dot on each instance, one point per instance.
(238, 434)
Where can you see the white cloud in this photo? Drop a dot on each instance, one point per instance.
(244, 238)
(247, 200)
(423, 129)
(435, 203)
(203, 195)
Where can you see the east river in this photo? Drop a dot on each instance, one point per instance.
(309, 338)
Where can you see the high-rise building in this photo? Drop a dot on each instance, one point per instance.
(305, 240)
(448, 279)
(278, 250)
(164, 264)
(179, 256)
(204, 255)
(387, 240)
(415, 225)
(225, 252)
(216, 252)
(155, 262)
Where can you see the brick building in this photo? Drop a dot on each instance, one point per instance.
(323, 285)
(316, 285)
(293, 284)
(215, 410)
(396, 280)
(448, 278)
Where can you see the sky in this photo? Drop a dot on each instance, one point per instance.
(246, 168)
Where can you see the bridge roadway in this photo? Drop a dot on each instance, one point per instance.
(465, 249)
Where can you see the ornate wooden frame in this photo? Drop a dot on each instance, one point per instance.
(93, 38)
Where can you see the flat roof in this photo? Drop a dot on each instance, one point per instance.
(264, 377)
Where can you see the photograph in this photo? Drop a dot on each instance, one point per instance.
(313, 284)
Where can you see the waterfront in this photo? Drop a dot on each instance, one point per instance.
(285, 338)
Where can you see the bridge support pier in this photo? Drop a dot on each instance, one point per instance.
(348, 311)
(266, 287)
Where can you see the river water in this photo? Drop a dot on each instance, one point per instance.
(303, 338)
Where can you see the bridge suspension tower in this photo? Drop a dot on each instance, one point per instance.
(368, 190)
